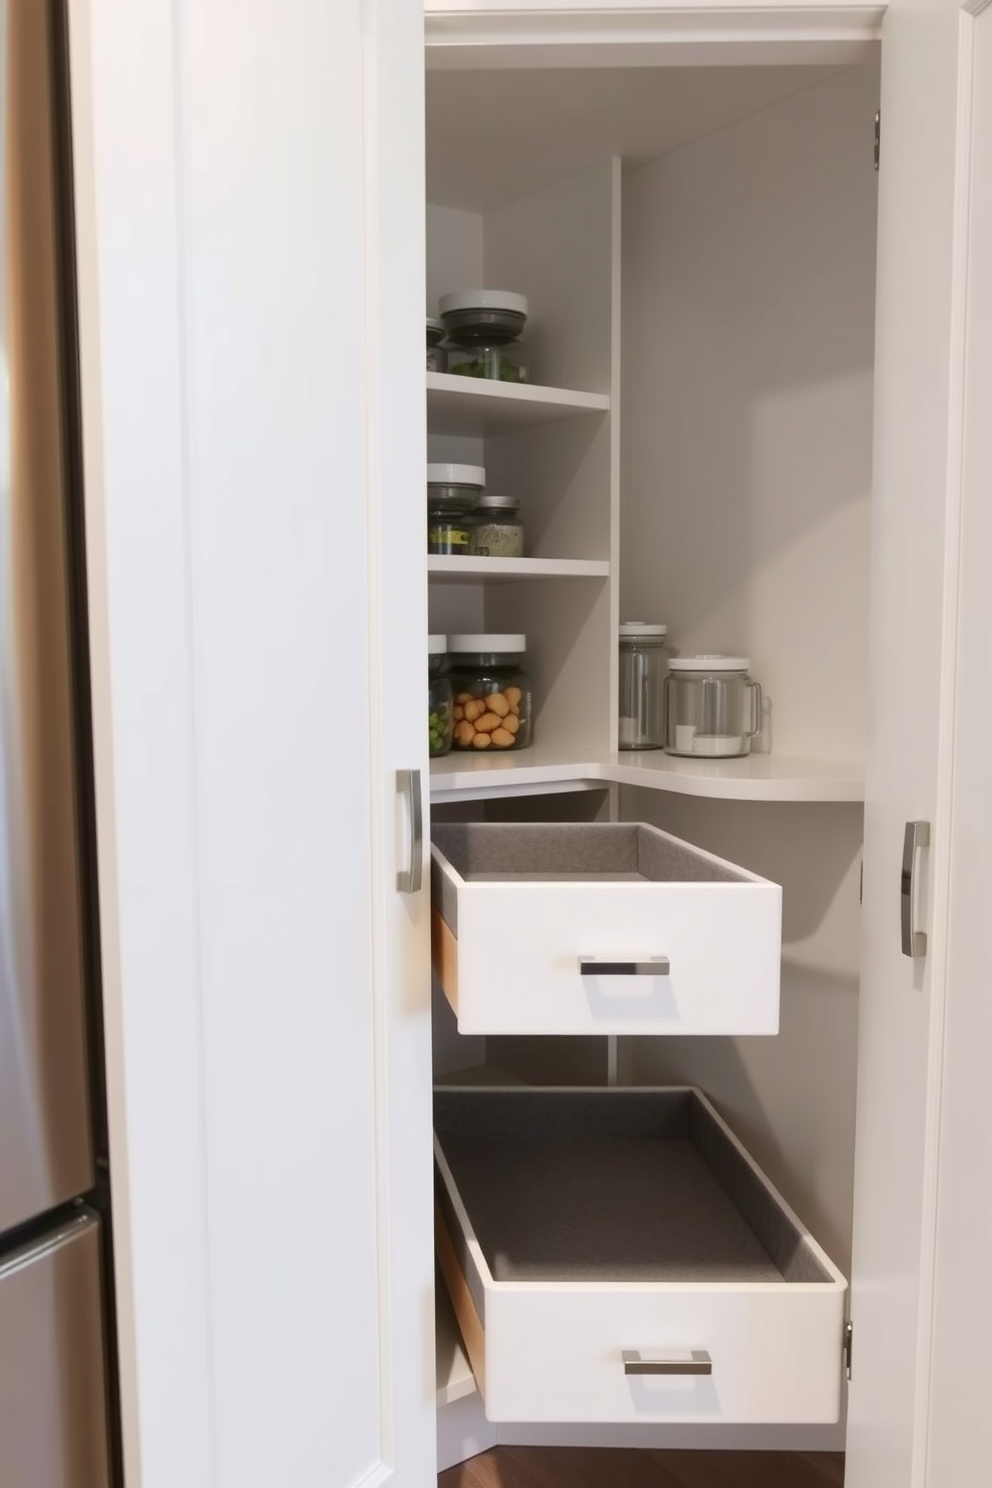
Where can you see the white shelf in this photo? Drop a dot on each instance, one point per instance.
(475, 407)
(455, 570)
(455, 1379)
(757, 777)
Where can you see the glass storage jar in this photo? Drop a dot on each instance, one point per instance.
(497, 531)
(713, 707)
(492, 695)
(439, 720)
(483, 328)
(642, 685)
(437, 360)
(452, 492)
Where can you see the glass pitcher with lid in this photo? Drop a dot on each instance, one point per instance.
(713, 707)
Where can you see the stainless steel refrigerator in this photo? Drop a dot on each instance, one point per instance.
(53, 1371)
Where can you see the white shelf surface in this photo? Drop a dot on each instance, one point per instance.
(474, 406)
(455, 1379)
(756, 777)
(455, 570)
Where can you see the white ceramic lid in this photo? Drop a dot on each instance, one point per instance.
(632, 628)
(483, 299)
(496, 503)
(456, 475)
(708, 664)
(436, 644)
(487, 643)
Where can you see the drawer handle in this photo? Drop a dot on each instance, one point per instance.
(688, 1361)
(599, 966)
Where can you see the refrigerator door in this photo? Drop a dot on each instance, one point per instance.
(53, 1411)
(45, 1143)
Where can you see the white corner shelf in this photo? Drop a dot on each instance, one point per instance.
(475, 407)
(455, 1379)
(455, 570)
(757, 777)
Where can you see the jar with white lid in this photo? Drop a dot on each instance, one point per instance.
(483, 328)
(497, 531)
(713, 707)
(452, 492)
(439, 720)
(491, 689)
(642, 685)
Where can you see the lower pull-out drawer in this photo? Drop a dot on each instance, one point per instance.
(600, 928)
(615, 1255)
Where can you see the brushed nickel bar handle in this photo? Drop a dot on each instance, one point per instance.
(686, 1361)
(600, 966)
(914, 940)
(410, 879)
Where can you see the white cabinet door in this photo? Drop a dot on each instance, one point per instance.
(249, 207)
(928, 119)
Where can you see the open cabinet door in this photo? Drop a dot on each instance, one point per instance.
(928, 145)
(248, 216)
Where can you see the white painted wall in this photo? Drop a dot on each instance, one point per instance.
(748, 290)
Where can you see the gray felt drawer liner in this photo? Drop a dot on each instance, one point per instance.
(608, 1185)
(569, 852)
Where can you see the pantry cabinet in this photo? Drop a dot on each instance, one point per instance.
(748, 418)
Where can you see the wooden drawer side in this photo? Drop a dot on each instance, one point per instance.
(469, 1323)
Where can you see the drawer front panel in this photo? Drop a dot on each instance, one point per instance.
(556, 1354)
(518, 946)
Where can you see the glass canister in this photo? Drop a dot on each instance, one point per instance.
(497, 531)
(439, 719)
(483, 327)
(437, 358)
(452, 492)
(642, 685)
(492, 693)
(713, 707)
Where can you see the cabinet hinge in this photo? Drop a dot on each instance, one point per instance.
(878, 137)
(848, 1348)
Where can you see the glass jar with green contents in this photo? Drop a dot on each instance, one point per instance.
(439, 719)
(452, 492)
(483, 327)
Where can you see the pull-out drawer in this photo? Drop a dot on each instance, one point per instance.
(615, 1255)
(605, 928)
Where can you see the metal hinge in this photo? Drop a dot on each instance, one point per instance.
(878, 137)
(848, 1348)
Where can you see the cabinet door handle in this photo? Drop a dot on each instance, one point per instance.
(914, 940)
(599, 966)
(410, 879)
(686, 1361)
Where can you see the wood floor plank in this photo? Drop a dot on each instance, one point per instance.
(743, 1470)
(830, 1465)
(600, 1467)
(592, 1467)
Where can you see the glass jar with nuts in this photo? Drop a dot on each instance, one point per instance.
(491, 692)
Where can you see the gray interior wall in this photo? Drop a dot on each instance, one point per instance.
(790, 1098)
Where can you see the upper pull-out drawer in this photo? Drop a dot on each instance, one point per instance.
(616, 1255)
(605, 928)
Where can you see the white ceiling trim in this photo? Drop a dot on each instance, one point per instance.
(577, 36)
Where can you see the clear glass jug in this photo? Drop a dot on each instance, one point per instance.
(713, 707)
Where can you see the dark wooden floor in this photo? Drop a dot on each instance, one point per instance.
(594, 1467)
